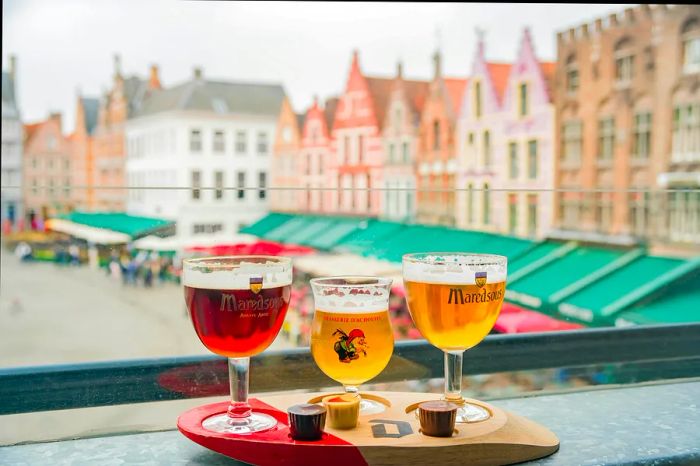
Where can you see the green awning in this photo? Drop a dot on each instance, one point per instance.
(132, 225)
(282, 232)
(367, 236)
(535, 288)
(314, 226)
(588, 304)
(681, 305)
(337, 232)
(535, 253)
(267, 223)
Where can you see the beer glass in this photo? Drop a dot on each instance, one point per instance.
(351, 337)
(454, 300)
(237, 305)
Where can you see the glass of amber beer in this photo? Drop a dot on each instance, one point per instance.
(351, 337)
(454, 300)
(237, 305)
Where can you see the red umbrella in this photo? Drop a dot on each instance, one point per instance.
(519, 320)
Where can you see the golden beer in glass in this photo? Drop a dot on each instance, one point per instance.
(454, 300)
(351, 336)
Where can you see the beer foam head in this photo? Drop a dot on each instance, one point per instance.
(454, 268)
(351, 294)
(237, 273)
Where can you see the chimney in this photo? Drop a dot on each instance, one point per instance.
(437, 64)
(629, 15)
(584, 30)
(197, 73)
(55, 116)
(399, 69)
(117, 65)
(612, 20)
(13, 68)
(154, 79)
(572, 34)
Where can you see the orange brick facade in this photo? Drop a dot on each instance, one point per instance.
(284, 169)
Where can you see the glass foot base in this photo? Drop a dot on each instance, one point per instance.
(472, 413)
(222, 423)
(368, 407)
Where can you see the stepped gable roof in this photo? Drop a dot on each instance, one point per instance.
(416, 93)
(30, 129)
(548, 70)
(499, 73)
(217, 96)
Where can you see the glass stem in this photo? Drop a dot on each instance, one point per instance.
(352, 390)
(453, 377)
(238, 381)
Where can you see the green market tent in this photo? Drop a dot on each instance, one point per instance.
(131, 225)
(682, 304)
(266, 223)
(342, 228)
(314, 226)
(368, 235)
(284, 230)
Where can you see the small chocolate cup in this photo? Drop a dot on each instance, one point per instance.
(306, 421)
(437, 418)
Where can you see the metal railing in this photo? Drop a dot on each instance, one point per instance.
(44, 388)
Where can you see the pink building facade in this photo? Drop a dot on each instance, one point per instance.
(356, 169)
(315, 157)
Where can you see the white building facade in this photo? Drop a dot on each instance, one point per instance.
(217, 142)
(11, 211)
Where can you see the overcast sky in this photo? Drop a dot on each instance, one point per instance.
(62, 45)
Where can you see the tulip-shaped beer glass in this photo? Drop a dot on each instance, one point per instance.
(454, 300)
(351, 337)
(237, 305)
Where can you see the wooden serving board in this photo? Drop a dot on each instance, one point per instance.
(389, 438)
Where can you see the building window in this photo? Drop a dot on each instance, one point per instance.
(606, 138)
(684, 220)
(436, 135)
(34, 188)
(523, 108)
(345, 156)
(486, 213)
(196, 184)
(572, 78)
(51, 189)
(206, 228)
(66, 164)
(512, 213)
(240, 184)
(404, 152)
(49, 163)
(262, 143)
(241, 142)
(470, 204)
(262, 184)
(532, 167)
(691, 46)
(392, 155)
(532, 215)
(571, 142)
(219, 184)
(195, 140)
(624, 63)
(685, 145)
(360, 149)
(639, 213)
(487, 149)
(470, 139)
(513, 168)
(603, 213)
(34, 163)
(287, 134)
(477, 99)
(219, 145)
(641, 144)
(51, 142)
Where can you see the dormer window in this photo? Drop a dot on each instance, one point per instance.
(477, 99)
(523, 103)
(690, 35)
(571, 75)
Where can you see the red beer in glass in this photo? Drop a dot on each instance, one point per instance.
(237, 305)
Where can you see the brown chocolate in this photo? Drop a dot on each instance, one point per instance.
(437, 418)
(306, 421)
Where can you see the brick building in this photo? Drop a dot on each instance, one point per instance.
(436, 155)
(284, 165)
(81, 143)
(627, 104)
(109, 151)
(315, 155)
(47, 170)
(357, 168)
(400, 134)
